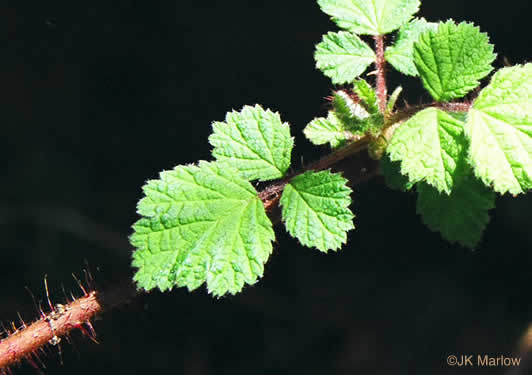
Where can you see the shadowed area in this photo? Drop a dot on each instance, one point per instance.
(99, 97)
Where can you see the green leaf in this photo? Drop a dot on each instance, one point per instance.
(461, 216)
(347, 109)
(452, 59)
(429, 146)
(201, 224)
(315, 209)
(400, 55)
(372, 125)
(255, 142)
(373, 17)
(499, 128)
(348, 122)
(393, 99)
(328, 130)
(379, 140)
(394, 179)
(343, 56)
(367, 95)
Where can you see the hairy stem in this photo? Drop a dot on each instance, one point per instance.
(360, 170)
(357, 167)
(409, 111)
(26, 341)
(273, 190)
(380, 66)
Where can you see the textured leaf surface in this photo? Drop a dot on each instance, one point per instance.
(401, 54)
(461, 216)
(367, 95)
(343, 56)
(315, 209)
(347, 109)
(500, 131)
(452, 59)
(201, 224)
(429, 146)
(374, 17)
(394, 179)
(327, 130)
(255, 142)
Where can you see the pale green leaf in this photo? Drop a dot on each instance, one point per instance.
(393, 99)
(374, 17)
(499, 128)
(315, 209)
(400, 55)
(255, 142)
(343, 56)
(328, 130)
(452, 59)
(201, 224)
(429, 146)
(367, 95)
(461, 216)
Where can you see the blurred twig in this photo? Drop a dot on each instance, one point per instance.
(57, 217)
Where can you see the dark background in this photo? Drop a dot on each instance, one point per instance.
(97, 97)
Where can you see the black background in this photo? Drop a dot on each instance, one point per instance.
(97, 97)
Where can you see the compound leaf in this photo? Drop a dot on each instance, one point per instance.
(201, 224)
(452, 59)
(461, 216)
(401, 54)
(255, 142)
(315, 209)
(499, 128)
(373, 17)
(429, 146)
(343, 56)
